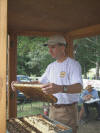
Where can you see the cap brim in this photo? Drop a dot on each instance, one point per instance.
(45, 44)
(53, 44)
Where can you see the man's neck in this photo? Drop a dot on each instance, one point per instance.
(62, 59)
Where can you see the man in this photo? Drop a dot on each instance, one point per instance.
(62, 79)
(88, 94)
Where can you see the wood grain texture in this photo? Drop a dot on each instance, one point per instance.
(85, 32)
(52, 15)
(12, 64)
(3, 43)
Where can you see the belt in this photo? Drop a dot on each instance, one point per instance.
(63, 105)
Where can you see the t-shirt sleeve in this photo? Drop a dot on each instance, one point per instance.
(75, 74)
(95, 94)
(84, 93)
(44, 78)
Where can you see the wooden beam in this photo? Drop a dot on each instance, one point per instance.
(3, 47)
(69, 48)
(85, 32)
(12, 67)
(75, 34)
(35, 33)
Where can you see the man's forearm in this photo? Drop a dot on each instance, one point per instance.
(74, 88)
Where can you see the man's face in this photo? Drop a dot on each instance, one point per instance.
(89, 88)
(56, 51)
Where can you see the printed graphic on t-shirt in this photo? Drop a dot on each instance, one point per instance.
(62, 74)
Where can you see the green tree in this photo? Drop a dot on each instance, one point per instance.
(33, 57)
(87, 52)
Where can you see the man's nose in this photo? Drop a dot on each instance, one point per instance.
(50, 50)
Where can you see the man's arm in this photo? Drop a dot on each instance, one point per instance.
(87, 97)
(52, 88)
(95, 94)
(74, 88)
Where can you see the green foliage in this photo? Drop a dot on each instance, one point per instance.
(87, 52)
(33, 57)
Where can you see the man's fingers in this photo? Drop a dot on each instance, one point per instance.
(12, 85)
(46, 85)
(47, 90)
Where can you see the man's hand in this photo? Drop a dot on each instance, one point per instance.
(12, 85)
(52, 88)
(87, 97)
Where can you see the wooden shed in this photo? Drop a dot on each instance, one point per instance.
(72, 18)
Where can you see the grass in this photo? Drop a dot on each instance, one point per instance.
(27, 109)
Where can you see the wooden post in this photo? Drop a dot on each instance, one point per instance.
(3, 47)
(69, 47)
(12, 67)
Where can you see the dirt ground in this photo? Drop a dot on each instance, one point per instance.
(90, 126)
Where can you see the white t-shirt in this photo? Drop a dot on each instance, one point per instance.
(67, 72)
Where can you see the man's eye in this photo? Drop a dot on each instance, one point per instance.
(54, 46)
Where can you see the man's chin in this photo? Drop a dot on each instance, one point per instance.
(53, 57)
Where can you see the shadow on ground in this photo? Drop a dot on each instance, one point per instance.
(90, 126)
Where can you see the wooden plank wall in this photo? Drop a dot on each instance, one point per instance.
(3, 46)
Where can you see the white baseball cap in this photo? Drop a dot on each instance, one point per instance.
(56, 39)
(89, 83)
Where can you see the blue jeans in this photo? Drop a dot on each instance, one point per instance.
(95, 104)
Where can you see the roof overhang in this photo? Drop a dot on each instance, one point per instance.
(52, 15)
